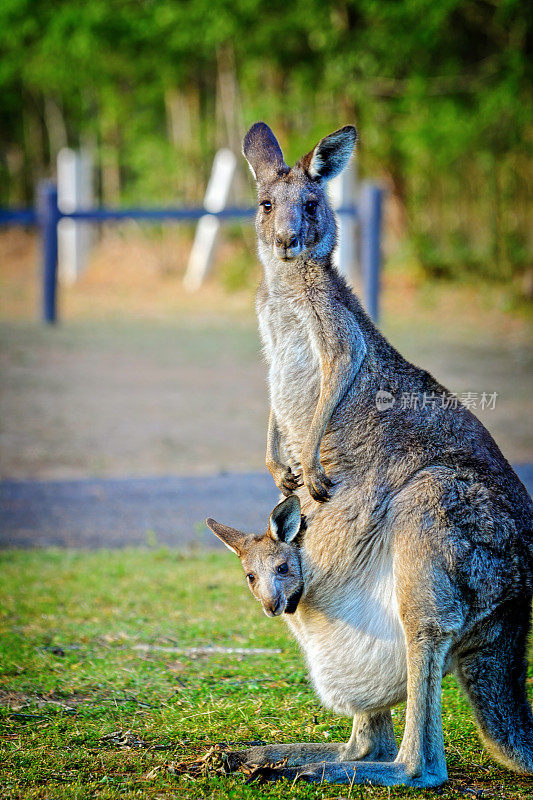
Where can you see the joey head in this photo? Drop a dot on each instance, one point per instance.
(271, 561)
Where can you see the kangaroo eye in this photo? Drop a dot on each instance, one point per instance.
(267, 206)
(310, 207)
(251, 577)
(282, 569)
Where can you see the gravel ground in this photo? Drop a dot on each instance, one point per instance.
(137, 511)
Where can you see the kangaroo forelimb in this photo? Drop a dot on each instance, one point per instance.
(286, 480)
(341, 351)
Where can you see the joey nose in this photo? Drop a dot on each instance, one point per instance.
(274, 607)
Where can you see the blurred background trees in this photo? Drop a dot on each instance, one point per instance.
(440, 92)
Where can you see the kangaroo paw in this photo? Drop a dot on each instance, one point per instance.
(318, 484)
(286, 480)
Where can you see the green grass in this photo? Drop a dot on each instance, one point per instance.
(70, 676)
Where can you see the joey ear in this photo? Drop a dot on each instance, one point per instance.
(286, 519)
(331, 154)
(263, 153)
(232, 538)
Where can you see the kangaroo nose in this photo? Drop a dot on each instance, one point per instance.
(275, 606)
(286, 240)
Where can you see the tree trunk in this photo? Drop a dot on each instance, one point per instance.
(55, 127)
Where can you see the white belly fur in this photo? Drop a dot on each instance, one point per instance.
(355, 651)
(294, 375)
(294, 367)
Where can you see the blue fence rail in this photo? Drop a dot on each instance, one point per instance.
(48, 215)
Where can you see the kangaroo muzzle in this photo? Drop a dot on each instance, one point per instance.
(275, 607)
(280, 604)
(287, 246)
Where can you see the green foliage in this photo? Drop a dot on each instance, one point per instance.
(440, 92)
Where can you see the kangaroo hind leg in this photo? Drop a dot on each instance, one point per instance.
(372, 738)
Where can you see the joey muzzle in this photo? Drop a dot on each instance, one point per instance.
(279, 605)
(274, 608)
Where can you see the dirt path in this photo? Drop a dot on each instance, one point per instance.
(130, 399)
(116, 399)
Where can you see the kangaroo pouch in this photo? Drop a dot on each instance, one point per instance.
(355, 649)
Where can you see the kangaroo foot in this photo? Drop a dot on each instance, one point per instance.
(287, 754)
(304, 753)
(348, 772)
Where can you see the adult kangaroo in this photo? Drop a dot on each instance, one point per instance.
(421, 560)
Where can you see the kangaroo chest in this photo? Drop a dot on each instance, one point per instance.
(294, 367)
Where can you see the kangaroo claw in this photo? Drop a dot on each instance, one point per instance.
(318, 484)
(319, 496)
(286, 480)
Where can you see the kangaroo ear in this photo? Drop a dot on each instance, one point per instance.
(286, 519)
(232, 538)
(263, 153)
(331, 154)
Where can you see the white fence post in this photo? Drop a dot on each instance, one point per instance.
(343, 193)
(74, 192)
(370, 211)
(206, 235)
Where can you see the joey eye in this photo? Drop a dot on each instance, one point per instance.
(310, 207)
(251, 577)
(282, 569)
(267, 206)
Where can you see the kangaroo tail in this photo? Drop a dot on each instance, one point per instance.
(494, 679)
